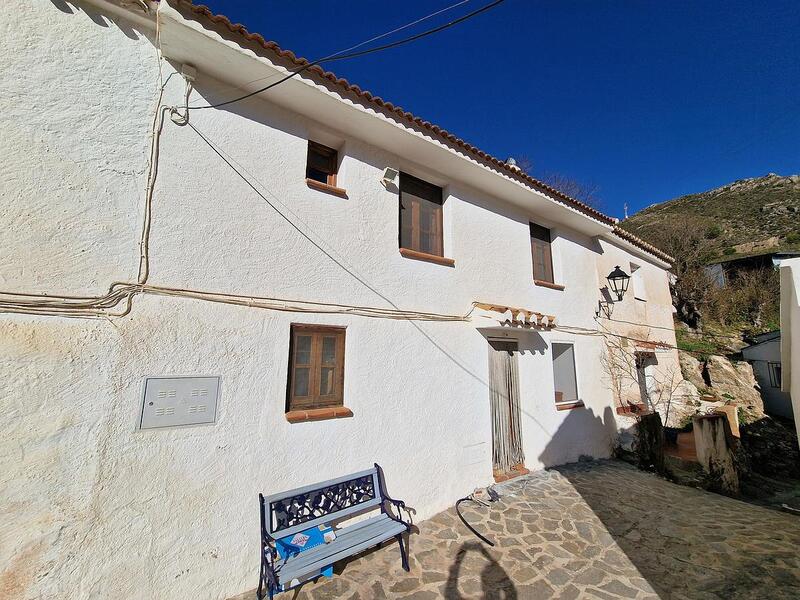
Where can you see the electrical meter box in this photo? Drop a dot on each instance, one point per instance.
(178, 401)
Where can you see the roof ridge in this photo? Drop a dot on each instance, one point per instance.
(500, 165)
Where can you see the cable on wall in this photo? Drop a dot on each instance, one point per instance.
(88, 306)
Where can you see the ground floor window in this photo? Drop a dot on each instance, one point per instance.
(316, 367)
(565, 381)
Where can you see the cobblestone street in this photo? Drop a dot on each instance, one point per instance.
(588, 530)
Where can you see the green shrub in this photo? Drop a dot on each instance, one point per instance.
(728, 251)
(713, 232)
(793, 238)
(744, 418)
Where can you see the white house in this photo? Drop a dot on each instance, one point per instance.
(324, 280)
(764, 354)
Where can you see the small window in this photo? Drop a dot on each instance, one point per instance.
(566, 385)
(637, 282)
(774, 374)
(420, 216)
(542, 256)
(316, 367)
(322, 164)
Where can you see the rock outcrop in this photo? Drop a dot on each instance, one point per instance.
(692, 369)
(717, 381)
(734, 381)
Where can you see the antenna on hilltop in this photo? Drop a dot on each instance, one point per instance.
(625, 209)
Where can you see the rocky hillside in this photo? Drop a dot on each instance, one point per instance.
(743, 218)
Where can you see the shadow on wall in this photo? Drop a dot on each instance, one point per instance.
(579, 425)
(103, 20)
(495, 582)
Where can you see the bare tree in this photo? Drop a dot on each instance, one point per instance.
(621, 365)
(691, 287)
(588, 193)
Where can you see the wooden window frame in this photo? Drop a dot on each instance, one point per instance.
(546, 279)
(775, 374)
(307, 407)
(560, 403)
(331, 170)
(413, 250)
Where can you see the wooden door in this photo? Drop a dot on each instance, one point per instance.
(504, 399)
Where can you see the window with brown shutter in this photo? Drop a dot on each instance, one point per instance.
(420, 216)
(322, 164)
(541, 254)
(316, 367)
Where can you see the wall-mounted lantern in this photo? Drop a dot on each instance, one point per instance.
(618, 281)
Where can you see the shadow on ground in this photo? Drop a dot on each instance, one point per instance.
(689, 543)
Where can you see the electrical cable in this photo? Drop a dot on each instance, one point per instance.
(470, 527)
(710, 335)
(377, 37)
(492, 496)
(338, 262)
(340, 56)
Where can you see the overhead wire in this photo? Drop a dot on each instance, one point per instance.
(345, 56)
(373, 39)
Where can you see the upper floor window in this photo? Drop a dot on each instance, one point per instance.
(316, 367)
(420, 216)
(322, 164)
(541, 253)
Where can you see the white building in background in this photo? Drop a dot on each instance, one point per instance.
(764, 354)
(287, 288)
(790, 332)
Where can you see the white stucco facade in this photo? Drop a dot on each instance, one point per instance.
(765, 358)
(93, 507)
(790, 332)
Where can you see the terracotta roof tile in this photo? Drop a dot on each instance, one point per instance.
(205, 13)
(640, 243)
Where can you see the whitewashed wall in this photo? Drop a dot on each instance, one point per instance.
(93, 508)
(790, 332)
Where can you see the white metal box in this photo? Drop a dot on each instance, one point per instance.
(177, 401)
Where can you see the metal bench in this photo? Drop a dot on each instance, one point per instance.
(294, 511)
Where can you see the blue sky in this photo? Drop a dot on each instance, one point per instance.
(646, 100)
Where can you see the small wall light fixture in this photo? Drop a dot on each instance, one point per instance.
(389, 177)
(618, 281)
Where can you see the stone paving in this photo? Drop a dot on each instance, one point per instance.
(589, 530)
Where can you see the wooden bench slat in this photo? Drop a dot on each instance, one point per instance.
(315, 486)
(345, 537)
(311, 561)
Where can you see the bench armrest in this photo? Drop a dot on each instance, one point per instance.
(399, 505)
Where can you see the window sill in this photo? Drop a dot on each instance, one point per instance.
(547, 284)
(439, 260)
(570, 405)
(631, 409)
(318, 414)
(324, 187)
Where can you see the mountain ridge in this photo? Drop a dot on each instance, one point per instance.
(745, 217)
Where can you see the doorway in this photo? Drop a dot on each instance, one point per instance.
(645, 375)
(507, 454)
